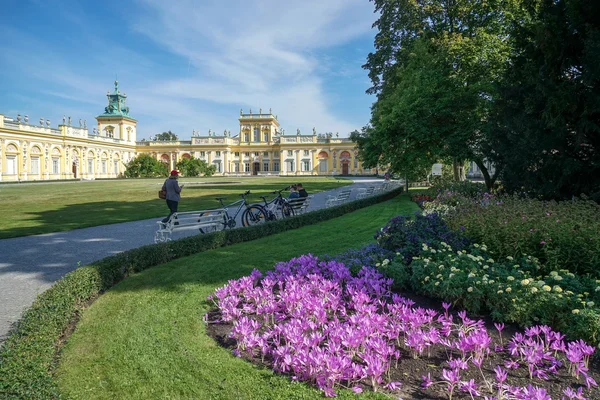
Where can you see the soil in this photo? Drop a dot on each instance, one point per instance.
(409, 370)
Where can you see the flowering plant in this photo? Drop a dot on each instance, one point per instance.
(316, 322)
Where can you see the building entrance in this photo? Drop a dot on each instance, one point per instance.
(255, 168)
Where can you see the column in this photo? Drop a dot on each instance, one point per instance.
(282, 168)
(225, 162)
(297, 161)
(1, 150)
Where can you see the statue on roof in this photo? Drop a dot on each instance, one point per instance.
(298, 131)
(314, 131)
(241, 111)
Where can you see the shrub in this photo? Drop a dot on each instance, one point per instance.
(407, 236)
(512, 290)
(561, 234)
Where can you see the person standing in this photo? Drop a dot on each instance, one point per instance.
(173, 193)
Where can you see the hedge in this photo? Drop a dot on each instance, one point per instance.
(29, 354)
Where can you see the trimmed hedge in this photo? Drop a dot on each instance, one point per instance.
(28, 356)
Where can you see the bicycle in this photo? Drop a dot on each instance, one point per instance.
(278, 207)
(253, 214)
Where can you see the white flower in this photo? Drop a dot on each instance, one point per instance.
(436, 284)
(546, 288)
(511, 278)
(575, 311)
(472, 275)
(557, 289)
(486, 266)
(470, 289)
(557, 277)
(509, 258)
(590, 304)
(534, 290)
(525, 282)
(451, 276)
(508, 290)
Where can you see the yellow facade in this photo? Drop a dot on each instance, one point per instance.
(29, 152)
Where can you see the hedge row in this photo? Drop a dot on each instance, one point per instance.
(28, 356)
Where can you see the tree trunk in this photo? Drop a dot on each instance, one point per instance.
(459, 170)
(489, 180)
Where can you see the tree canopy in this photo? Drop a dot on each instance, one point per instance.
(145, 166)
(166, 136)
(193, 167)
(434, 71)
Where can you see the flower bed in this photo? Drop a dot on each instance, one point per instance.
(316, 322)
(563, 235)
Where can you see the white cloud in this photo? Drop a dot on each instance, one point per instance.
(215, 58)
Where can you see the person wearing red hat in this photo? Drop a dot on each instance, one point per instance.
(173, 193)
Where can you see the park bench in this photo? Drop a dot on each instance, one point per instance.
(363, 193)
(300, 204)
(338, 199)
(202, 221)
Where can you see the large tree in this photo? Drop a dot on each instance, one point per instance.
(549, 111)
(166, 136)
(195, 167)
(145, 166)
(434, 71)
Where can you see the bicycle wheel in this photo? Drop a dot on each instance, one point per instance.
(286, 210)
(218, 226)
(253, 215)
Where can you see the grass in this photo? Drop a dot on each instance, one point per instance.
(31, 209)
(145, 337)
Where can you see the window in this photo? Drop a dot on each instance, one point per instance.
(35, 165)
(322, 165)
(290, 153)
(266, 137)
(246, 137)
(256, 154)
(266, 166)
(110, 132)
(202, 154)
(218, 166)
(90, 166)
(355, 163)
(305, 152)
(218, 154)
(103, 166)
(266, 154)
(247, 154)
(55, 166)
(257, 134)
(305, 166)
(116, 166)
(11, 165)
(237, 154)
(236, 167)
(247, 167)
(276, 166)
(291, 166)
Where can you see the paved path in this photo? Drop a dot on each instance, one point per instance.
(30, 265)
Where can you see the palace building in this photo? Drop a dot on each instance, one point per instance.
(31, 152)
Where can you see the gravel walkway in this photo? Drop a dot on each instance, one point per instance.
(30, 265)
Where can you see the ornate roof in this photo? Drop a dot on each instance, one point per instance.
(116, 104)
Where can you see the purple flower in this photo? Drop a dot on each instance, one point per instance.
(501, 374)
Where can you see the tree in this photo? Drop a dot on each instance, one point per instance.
(166, 136)
(434, 71)
(549, 110)
(195, 167)
(145, 166)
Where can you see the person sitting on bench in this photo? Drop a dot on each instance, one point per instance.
(301, 191)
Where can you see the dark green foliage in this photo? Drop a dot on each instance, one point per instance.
(408, 236)
(548, 117)
(145, 166)
(27, 356)
(166, 136)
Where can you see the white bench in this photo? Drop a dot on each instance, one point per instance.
(362, 192)
(338, 199)
(204, 221)
(300, 204)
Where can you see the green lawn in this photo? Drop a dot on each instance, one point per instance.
(145, 337)
(31, 209)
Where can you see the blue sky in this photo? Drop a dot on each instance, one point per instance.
(188, 65)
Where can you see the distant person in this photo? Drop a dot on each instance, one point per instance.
(387, 176)
(301, 191)
(293, 193)
(173, 193)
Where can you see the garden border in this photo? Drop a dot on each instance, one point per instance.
(28, 356)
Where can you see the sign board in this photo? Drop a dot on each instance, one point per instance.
(436, 169)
